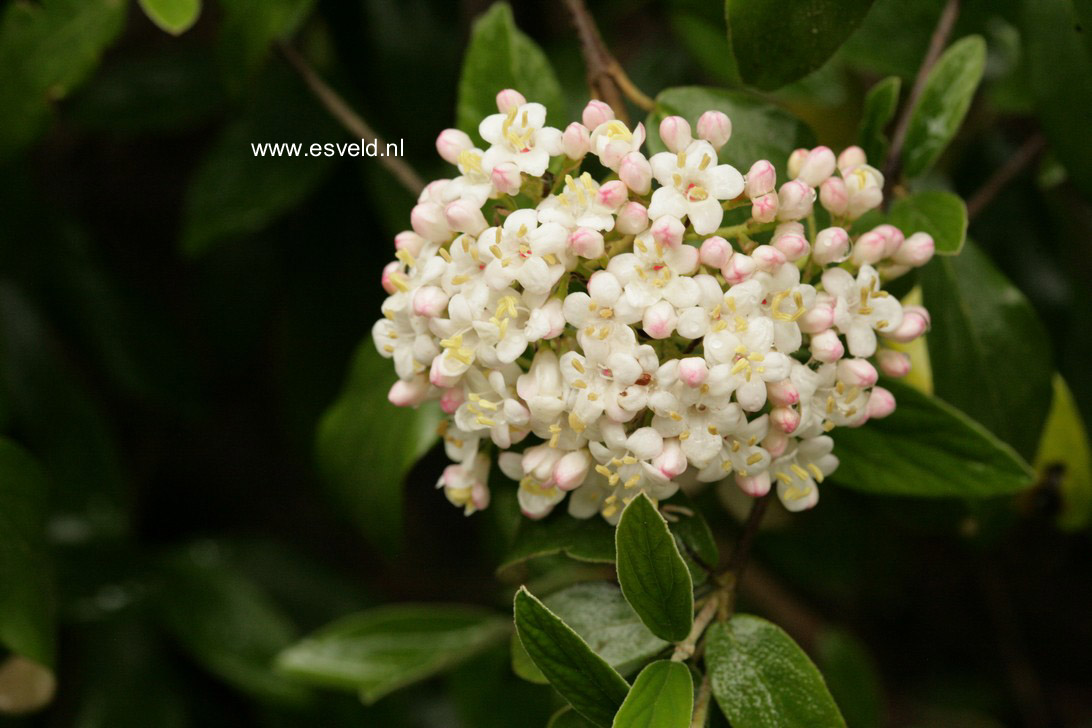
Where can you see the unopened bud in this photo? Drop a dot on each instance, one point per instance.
(850, 158)
(794, 200)
(465, 217)
(764, 207)
(576, 141)
(761, 179)
(572, 469)
(668, 231)
(817, 166)
(782, 393)
(632, 219)
(586, 243)
(409, 394)
(428, 221)
(659, 320)
(596, 113)
(831, 246)
(827, 347)
(790, 242)
(715, 251)
(693, 371)
(915, 322)
(715, 127)
(881, 403)
(507, 178)
(857, 373)
(671, 462)
(785, 419)
(869, 248)
(389, 270)
(612, 194)
(410, 242)
(739, 268)
(916, 250)
(635, 171)
(675, 133)
(768, 258)
(796, 161)
(509, 99)
(893, 363)
(833, 196)
(451, 143)
(755, 486)
(429, 301)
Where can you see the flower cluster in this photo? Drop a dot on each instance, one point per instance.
(613, 336)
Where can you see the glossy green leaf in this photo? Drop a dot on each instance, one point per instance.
(590, 539)
(26, 598)
(499, 57)
(653, 575)
(173, 16)
(592, 687)
(248, 29)
(365, 458)
(662, 696)
(46, 50)
(949, 89)
(759, 130)
(597, 611)
(852, 677)
(381, 650)
(927, 448)
(1064, 453)
(568, 718)
(762, 679)
(893, 38)
(772, 47)
(693, 536)
(880, 105)
(990, 354)
(939, 213)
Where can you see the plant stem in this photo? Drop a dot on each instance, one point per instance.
(1021, 158)
(685, 650)
(738, 562)
(349, 119)
(701, 703)
(606, 78)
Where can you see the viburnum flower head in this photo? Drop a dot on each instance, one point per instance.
(673, 322)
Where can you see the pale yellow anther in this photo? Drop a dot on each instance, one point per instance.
(578, 366)
(680, 160)
(579, 383)
(483, 420)
(754, 458)
(815, 472)
(705, 161)
(444, 254)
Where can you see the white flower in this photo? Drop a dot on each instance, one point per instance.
(521, 137)
(798, 471)
(741, 453)
(583, 204)
(693, 186)
(602, 316)
(612, 140)
(695, 406)
(525, 252)
(654, 272)
(491, 404)
(483, 326)
(616, 387)
(861, 308)
(474, 184)
(465, 485)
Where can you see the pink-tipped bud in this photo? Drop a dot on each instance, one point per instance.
(671, 462)
(792, 244)
(545, 322)
(893, 238)
(782, 393)
(659, 320)
(864, 189)
(668, 231)
(390, 269)
(428, 221)
(576, 141)
(881, 403)
(465, 217)
(632, 219)
(893, 363)
(693, 371)
(857, 373)
(794, 200)
(675, 133)
(831, 246)
(451, 143)
(715, 127)
(761, 179)
(827, 347)
(796, 161)
(410, 242)
(755, 486)
(612, 194)
(507, 178)
(586, 243)
(850, 158)
(635, 171)
(915, 322)
(451, 399)
(596, 113)
(572, 469)
(833, 196)
(776, 443)
(785, 419)
(817, 167)
(509, 99)
(409, 394)
(869, 248)
(715, 251)
(764, 207)
(429, 301)
(739, 268)
(768, 258)
(916, 250)
(437, 376)
(818, 318)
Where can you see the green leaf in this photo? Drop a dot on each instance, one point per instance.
(759, 129)
(944, 101)
(694, 537)
(989, 352)
(384, 649)
(26, 597)
(939, 213)
(1064, 449)
(762, 679)
(852, 677)
(173, 16)
(772, 47)
(590, 539)
(568, 718)
(927, 448)
(653, 575)
(583, 678)
(662, 696)
(597, 611)
(366, 446)
(248, 29)
(893, 38)
(46, 50)
(500, 56)
(880, 105)
(226, 622)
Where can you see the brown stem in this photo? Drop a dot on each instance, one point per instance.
(685, 650)
(349, 119)
(738, 562)
(1027, 153)
(936, 47)
(701, 703)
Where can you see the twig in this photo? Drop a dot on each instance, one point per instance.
(606, 78)
(738, 561)
(701, 703)
(685, 650)
(936, 47)
(349, 119)
(1027, 153)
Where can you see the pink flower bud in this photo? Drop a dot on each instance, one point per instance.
(793, 245)
(408, 394)
(915, 322)
(831, 246)
(869, 248)
(437, 376)
(659, 320)
(671, 462)
(429, 301)
(451, 399)
(768, 258)
(715, 127)
(451, 143)
(764, 207)
(794, 200)
(506, 178)
(572, 469)
(715, 251)
(782, 393)
(545, 322)
(390, 269)
(576, 141)
(632, 219)
(819, 317)
(817, 167)
(675, 133)
(893, 363)
(796, 161)
(693, 371)
(893, 238)
(776, 443)
(612, 194)
(850, 158)
(668, 231)
(596, 113)
(761, 178)
(785, 419)
(832, 196)
(465, 217)
(428, 221)
(410, 242)
(586, 243)
(827, 347)
(509, 99)
(857, 373)
(635, 171)
(739, 268)
(916, 250)
(604, 288)
(881, 403)
(755, 486)
(864, 189)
